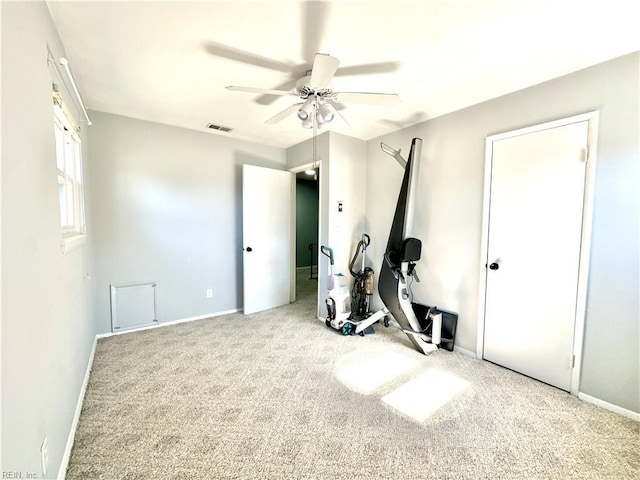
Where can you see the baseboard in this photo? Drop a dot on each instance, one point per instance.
(199, 317)
(610, 406)
(464, 351)
(62, 472)
(166, 324)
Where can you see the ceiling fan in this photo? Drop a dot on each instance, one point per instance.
(320, 103)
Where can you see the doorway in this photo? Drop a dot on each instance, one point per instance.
(536, 231)
(305, 232)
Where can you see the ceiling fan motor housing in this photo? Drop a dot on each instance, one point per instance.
(304, 88)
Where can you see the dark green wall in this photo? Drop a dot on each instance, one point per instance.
(306, 219)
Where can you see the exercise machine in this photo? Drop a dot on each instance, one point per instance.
(427, 327)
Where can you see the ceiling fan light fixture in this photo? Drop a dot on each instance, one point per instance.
(320, 119)
(308, 122)
(305, 111)
(327, 112)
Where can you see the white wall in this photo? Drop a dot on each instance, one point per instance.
(448, 216)
(47, 330)
(167, 207)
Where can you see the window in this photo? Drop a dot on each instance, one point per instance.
(70, 183)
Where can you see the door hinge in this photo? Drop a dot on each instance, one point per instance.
(586, 154)
(573, 362)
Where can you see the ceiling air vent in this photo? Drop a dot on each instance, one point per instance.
(220, 128)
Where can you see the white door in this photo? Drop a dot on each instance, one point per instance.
(266, 225)
(535, 224)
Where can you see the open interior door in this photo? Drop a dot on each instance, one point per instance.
(266, 225)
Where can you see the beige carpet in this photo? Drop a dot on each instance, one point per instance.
(305, 285)
(278, 395)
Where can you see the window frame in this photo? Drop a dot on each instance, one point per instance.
(69, 174)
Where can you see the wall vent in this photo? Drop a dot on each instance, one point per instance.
(133, 305)
(220, 128)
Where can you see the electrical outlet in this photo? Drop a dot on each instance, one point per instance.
(209, 293)
(44, 452)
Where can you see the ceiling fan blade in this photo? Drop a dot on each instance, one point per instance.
(264, 91)
(367, 98)
(338, 107)
(368, 69)
(285, 113)
(267, 99)
(314, 19)
(413, 119)
(324, 67)
(234, 54)
(343, 119)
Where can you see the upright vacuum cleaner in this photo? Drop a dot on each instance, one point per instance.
(339, 314)
(363, 284)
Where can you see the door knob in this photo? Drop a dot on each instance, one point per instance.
(494, 266)
(249, 249)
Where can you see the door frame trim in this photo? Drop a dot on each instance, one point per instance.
(297, 169)
(592, 118)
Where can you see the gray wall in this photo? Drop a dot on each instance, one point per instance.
(347, 186)
(47, 329)
(167, 207)
(449, 212)
(342, 174)
(306, 220)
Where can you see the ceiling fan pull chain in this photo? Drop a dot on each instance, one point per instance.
(314, 120)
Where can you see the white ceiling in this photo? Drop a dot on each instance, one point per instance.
(169, 61)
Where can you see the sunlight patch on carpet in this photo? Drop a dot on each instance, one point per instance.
(422, 396)
(369, 372)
